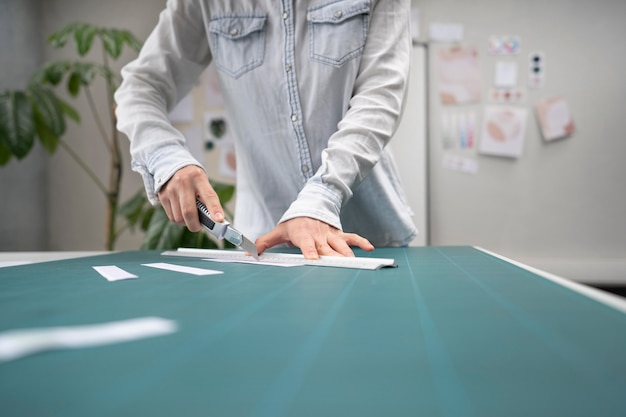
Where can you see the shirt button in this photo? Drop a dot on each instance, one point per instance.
(305, 168)
(285, 16)
(234, 32)
(338, 14)
(294, 117)
(287, 67)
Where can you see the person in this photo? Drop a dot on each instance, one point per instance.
(314, 91)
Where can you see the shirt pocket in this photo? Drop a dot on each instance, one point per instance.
(238, 43)
(338, 31)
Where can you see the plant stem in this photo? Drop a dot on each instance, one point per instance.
(115, 176)
(84, 166)
(92, 105)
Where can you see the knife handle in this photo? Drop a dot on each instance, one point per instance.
(216, 229)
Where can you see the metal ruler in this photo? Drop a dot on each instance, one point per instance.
(288, 258)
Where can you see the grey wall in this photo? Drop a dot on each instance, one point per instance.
(562, 205)
(23, 191)
(77, 208)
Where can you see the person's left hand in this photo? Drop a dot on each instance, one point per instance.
(314, 238)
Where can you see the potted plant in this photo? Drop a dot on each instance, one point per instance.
(38, 113)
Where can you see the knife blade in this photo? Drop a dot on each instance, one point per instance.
(223, 230)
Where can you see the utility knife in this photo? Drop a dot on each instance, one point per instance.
(224, 230)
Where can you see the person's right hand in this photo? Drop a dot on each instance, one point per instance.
(178, 197)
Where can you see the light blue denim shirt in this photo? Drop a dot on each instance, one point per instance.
(314, 90)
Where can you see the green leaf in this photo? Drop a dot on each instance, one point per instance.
(69, 111)
(73, 84)
(161, 233)
(17, 130)
(48, 139)
(131, 40)
(86, 71)
(134, 208)
(45, 102)
(5, 154)
(113, 40)
(224, 191)
(195, 240)
(55, 71)
(59, 38)
(83, 35)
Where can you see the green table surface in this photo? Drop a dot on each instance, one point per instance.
(452, 331)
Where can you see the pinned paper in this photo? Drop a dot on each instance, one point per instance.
(445, 32)
(555, 118)
(504, 130)
(504, 44)
(459, 163)
(459, 76)
(506, 74)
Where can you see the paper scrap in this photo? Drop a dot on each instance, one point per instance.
(184, 269)
(17, 343)
(113, 273)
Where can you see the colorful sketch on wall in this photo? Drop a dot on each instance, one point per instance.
(504, 44)
(504, 130)
(459, 75)
(555, 118)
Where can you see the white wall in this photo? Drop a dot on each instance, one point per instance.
(561, 206)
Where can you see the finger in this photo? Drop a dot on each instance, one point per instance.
(269, 240)
(339, 246)
(308, 248)
(353, 239)
(212, 202)
(189, 212)
(168, 209)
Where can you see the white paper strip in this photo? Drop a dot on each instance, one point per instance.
(184, 269)
(15, 344)
(113, 273)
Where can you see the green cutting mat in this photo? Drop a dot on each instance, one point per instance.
(451, 332)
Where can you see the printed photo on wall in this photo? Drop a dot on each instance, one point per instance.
(217, 129)
(459, 75)
(555, 119)
(504, 130)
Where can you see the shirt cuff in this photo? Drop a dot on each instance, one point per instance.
(318, 202)
(161, 167)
